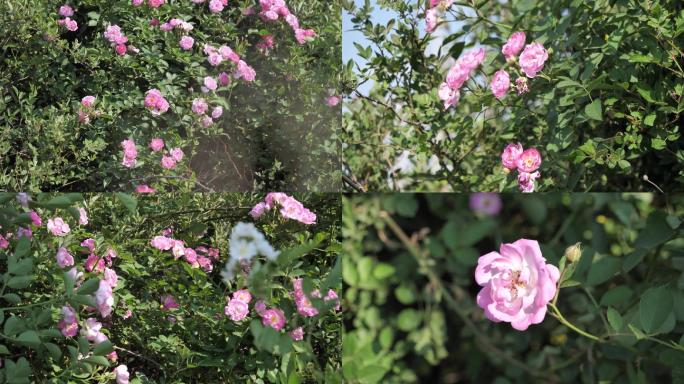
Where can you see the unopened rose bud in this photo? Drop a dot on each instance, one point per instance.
(573, 253)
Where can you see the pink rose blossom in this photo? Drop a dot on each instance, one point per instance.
(35, 219)
(236, 309)
(292, 21)
(120, 49)
(485, 203)
(532, 59)
(472, 59)
(130, 153)
(210, 83)
(144, 188)
(186, 43)
(529, 161)
(4, 244)
(217, 112)
(94, 263)
(111, 277)
(88, 101)
(332, 101)
(177, 154)
(58, 227)
(448, 95)
(205, 264)
(162, 243)
(90, 244)
(304, 35)
(274, 318)
(91, 329)
(517, 284)
(136, 3)
(260, 307)
(267, 42)
(245, 71)
(168, 162)
(64, 258)
(297, 334)
(431, 20)
(500, 84)
(66, 11)
(215, 6)
(69, 324)
(169, 303)
(526, 181)
(242, 295)
(121, 371)
(224, 79)
(82, 216)
(190, 256)
(199, 106)
(155, 102)
(259, 210)
(156, 3)
(104, 298)
(206, 121)
(178, 249)
(156, 144)
(510, 155)
(514, 45)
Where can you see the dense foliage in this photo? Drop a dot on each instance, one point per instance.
(273, 132)
(409, 271)
(604, 111)
(169, 320)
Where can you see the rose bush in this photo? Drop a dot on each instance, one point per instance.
(596, 88)
(489, 288)
(87, 86)
(106, 287)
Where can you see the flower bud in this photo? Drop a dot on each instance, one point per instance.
(573, 253)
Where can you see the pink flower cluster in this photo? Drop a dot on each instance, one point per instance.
(238, 306)
(525, 161)
(130, 153)
(118, 40)
(58, 227)
(68, 325)
(531, 62)
(176, 24)
(458, 74)
(517, 284)
(303, 303)
(272, 10)
(432, 14)
(86, 111)
(200, 257)
(155, 102)
(67, 22)
(200, 107)
(151, 3)
(266, 43)
(290, 208)
(224, 53)
(97, 263)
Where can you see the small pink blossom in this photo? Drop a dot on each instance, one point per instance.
(500, 84)
(242, 295)
(517, 284)
(260, 307)
(529, 161)
(510, 155)
(532, 59)
(144, 188)
(169, 303)
(186, 43)
(236, 309)
(215, 6)
(217, 112)
(111, 277)
(167, 162)
(82, 216)
(527, 181)
(514, 45)
(199, 106)
(205, 264)
(448, 95)
(155, 3)
(104, 298)
(155, 102)
(190, 256)
(259, 209)
(304, 35)
(297, 334)
(120, 49)
(94, 263)
(88, 101)
(58, 227)
(162, 243)
(206, 121)
(136, 3)
(64, 258)
(224, 79)
(431, 20)
(69, 324)
(121, 371)
(177, 154)
(245, 71)
(156, 144)
(66, 11)
(35, 219)
(274, 318)
(130, 153)
(332, 101)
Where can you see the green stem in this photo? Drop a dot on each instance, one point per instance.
(556, 313)
(34, 304)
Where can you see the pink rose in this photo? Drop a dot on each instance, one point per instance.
(169, 303)
(236, 310)
(162, 243)
(144, 188)
(206, 121)
(70, 24)
(304, 35)
(136, 3)
(91, 329)
(297, 334)
(448, 95)
(526, 181)
(66, 11)
(260, 307)
(130, 153)
(104, 298)
(69, 324)
(259, 210)
(517, 284)
(35, 219)
(205, 264)
(121, 371)
(199, 106)
(64, 258)
(472, 59)
(224, 79)
(274, 318)
(156, 144)
(177, 154)
(529, 161)
(485, 203)
(510, 155)
(155, 102)
(217, 112)
(532, 59)
(111, 277)
(332, 101)
(58, 227)
(210, 83)
(215, 6)
(245, 71)
(186, 43)
(82, 216)
(514, 45)
(156, 3)
(88, 101)
(120, 49)
(500, 84)
(242, 295)
(430, 20)
(168, 162)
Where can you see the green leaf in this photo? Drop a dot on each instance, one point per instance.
(602, 270)
(69, 284)
(383, 271)
(19, 282)
(633, 259)
(58, 202)
(291, 254)
(569, 283)
(408, 319)
(29, 338)
(654, 307)
(4, 350)
(650, 119)
(23, 247)
(594, 110)
(458, 236)
(12, 298)
(89, 286)
(656, 231)
(405, 294)
(636, 331)
(54, 351)
(616, 296)
(23, 267)
(98, 360)
(130, 202)
(103, 348)
(614, 319)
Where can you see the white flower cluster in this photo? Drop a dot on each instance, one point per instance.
(246, 242)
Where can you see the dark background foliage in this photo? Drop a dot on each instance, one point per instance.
(414, 313)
